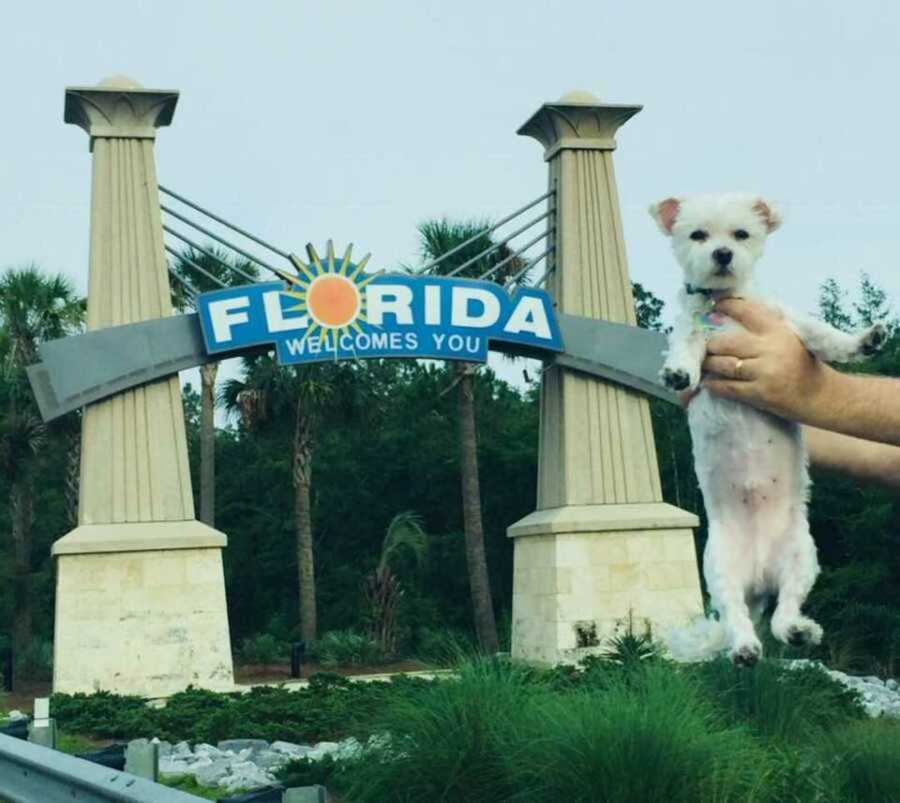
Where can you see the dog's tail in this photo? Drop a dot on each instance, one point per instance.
(701, 640)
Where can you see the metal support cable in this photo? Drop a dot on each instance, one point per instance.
(261, 262)
(196, 267)
(516, 254)
(186, 285)
(496, 246)
(224, 222)
(529, 266)
(543, 278)
(205, 252)
(488, 230)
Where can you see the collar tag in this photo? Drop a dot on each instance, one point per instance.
(709, 321)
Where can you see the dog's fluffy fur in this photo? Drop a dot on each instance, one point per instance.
(751, 466)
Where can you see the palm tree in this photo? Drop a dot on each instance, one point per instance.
(34, 308)
(437, 238)
(382, 588)
(220, 264)
(270, 392)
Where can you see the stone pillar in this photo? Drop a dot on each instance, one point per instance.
(602, 549)
(140, 601)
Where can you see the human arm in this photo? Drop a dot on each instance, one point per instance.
(779, 374)
(864, 460)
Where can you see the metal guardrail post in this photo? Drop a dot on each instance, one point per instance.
(29, 772)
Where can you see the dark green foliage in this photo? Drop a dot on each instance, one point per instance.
(347, 648)
(263, 648)
(784, 704)
(307, 772)
(331, 708)
(611, 730)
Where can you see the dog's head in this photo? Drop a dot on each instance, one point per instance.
(717, 239)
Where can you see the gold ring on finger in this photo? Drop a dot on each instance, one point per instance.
(737, 369)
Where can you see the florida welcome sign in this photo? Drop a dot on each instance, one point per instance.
(333, 310)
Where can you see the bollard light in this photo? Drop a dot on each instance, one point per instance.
(6, 667)
(296, 658)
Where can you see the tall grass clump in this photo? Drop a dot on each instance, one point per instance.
(448, 740)
(650, 736)
(866, 761)
(499, 732)
(779, 703)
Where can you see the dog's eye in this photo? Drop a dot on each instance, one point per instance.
(699, 235)
(741, 234)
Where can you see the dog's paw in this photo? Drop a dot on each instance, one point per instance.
(798, 632)
(676, 378)
(871, 341)
(746, 653)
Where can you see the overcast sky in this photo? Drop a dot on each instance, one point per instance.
(356, 120)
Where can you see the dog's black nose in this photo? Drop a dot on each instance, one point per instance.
(722, 256)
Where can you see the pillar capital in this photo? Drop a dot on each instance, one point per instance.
(577, 121)
(119, 107)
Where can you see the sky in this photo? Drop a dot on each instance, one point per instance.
(304, 121)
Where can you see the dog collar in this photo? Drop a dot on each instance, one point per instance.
(706, 292)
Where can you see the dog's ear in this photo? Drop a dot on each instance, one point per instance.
(665, 213)
(771, 216)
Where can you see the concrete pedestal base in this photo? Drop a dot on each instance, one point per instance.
(139, 620)
(582, 573)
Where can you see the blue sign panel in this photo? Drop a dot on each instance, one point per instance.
(335, 311)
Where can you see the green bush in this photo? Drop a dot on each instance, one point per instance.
(35, 662)
(263, 649)
(445, 647)
(347, 648)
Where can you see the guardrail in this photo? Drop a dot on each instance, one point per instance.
(30, 773)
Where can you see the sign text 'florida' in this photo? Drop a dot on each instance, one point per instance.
(333, 310)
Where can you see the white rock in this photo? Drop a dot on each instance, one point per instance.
(15, 715)
(349, 748)
(208, 750)
(211, 774)
(172, 766)
(245, 775)
(181, 749)
(291, 749)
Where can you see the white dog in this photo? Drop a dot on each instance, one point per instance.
(751, 466)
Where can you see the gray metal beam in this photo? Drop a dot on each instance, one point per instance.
(86, 368)
(29, 773)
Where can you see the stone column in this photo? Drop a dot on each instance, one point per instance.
(140, 602)
(602, 549)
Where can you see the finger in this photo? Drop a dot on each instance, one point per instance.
(754, 316)
(727, 388)
(742, 370)
(734, 344)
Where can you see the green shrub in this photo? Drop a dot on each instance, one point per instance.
(35, 662)
(264, 649)
(347, 648)
(444, 647)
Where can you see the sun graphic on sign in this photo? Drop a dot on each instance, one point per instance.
(330, 293)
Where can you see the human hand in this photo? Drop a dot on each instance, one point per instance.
(766, 366)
